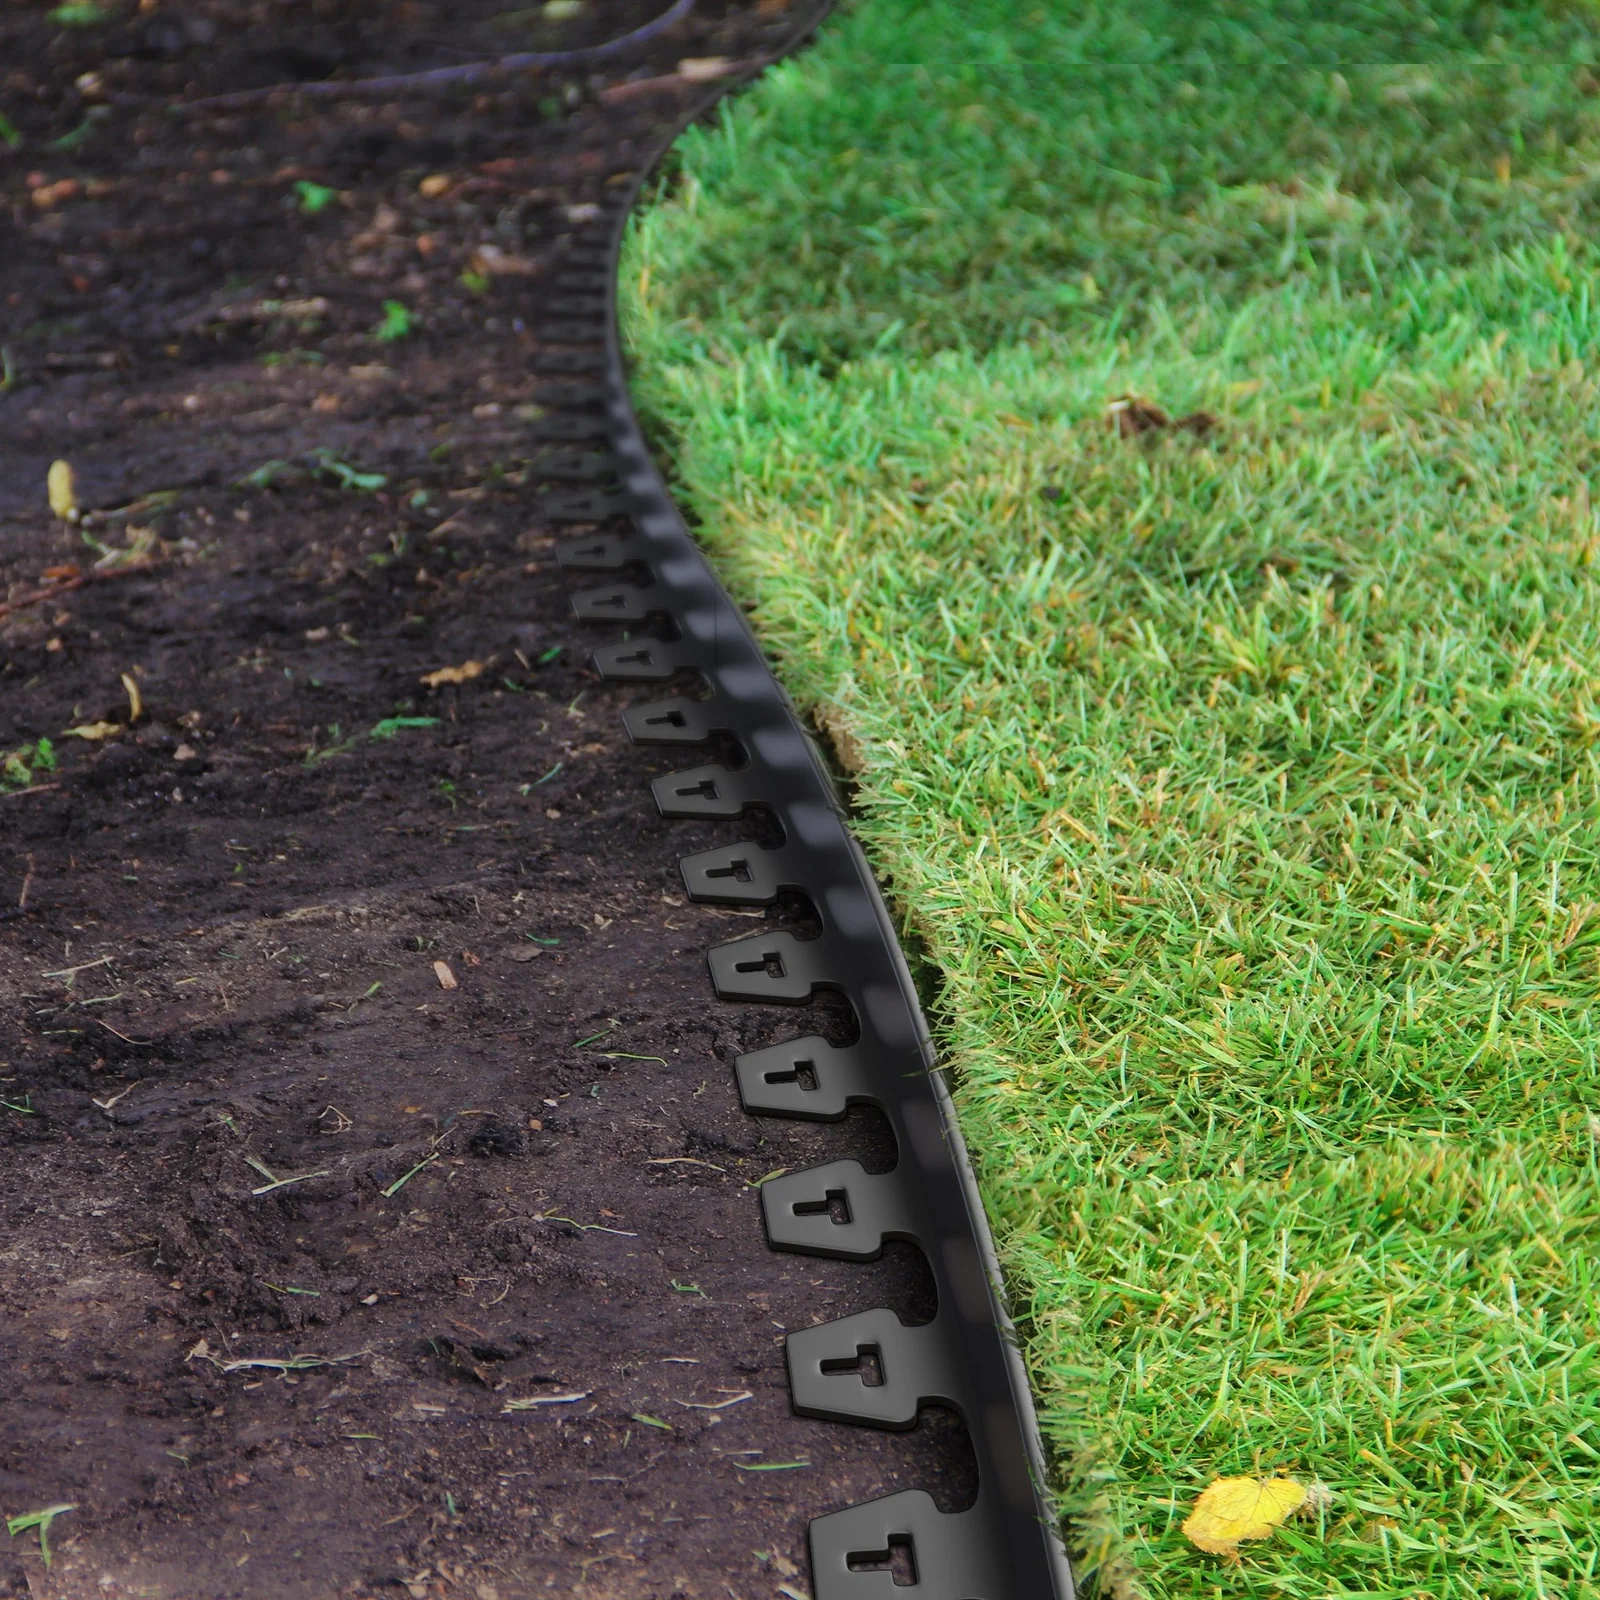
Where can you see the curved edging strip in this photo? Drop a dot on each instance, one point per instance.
(1006, 1546)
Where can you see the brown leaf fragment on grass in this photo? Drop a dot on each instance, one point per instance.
(1132, 416)
(1230, 1510)
(834, 725)
(465, 673)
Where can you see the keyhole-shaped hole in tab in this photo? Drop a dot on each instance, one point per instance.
(739, 871)
(667, 719)
(897, 1560)
(769, 962)
(866, 1363)
(612, 600)
(803, 1073)
(835, 1204)
(640, 657)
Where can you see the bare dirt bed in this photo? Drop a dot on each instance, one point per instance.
(377, 1213)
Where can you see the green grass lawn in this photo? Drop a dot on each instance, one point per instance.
(1242, 795)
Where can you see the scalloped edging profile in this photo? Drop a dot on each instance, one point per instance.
(1007, 1545)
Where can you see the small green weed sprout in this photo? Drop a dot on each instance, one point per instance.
(390, 726)
(398, 322)
(314, 197)
(19, 767)
(40, 1519)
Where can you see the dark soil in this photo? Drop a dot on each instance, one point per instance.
(421, 950)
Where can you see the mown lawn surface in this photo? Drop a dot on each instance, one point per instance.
(1243, 791)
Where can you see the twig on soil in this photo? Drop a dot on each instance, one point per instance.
(146, 1043)
(274, 1181)
(37, 788)
(615, 93)
(275, 1364)
(721, 1405)
(399, 83)
(67, 972)
(682, 1161)
(106, 1105)
(545, 1400)
(588, 1227)
(292, 1364)
(39, 596)
(400, 1183)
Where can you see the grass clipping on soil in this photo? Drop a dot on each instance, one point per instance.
(1240, 781)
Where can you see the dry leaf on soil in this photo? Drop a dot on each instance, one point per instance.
(1232, 1509)
(92, 730)
(465, 673)
(493, 262)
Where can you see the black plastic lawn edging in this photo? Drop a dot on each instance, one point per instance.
(685, 627)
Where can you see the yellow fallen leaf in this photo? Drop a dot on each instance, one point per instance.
(92, 730)
(465, 673)
(1232, 1509)
(135, 699)
(63, 490)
